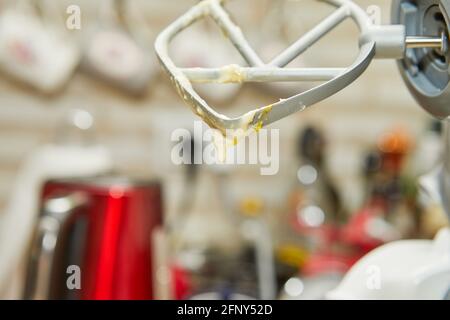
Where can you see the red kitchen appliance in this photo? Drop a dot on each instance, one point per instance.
(101, 228)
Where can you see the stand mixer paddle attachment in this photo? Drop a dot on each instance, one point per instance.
(375, 42)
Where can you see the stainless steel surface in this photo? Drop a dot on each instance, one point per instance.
(426, 42)
(50, 228)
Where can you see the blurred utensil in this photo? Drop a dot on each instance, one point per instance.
(112, 54)
(34, 49)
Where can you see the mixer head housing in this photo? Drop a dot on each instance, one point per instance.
(426, 71)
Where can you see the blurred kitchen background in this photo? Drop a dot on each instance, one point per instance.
(348, 165)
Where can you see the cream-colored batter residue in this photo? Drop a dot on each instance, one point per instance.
(231, 74)
(230, 138)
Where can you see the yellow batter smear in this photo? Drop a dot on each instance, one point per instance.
(231, 74)
(260, 124)
(224, 141)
